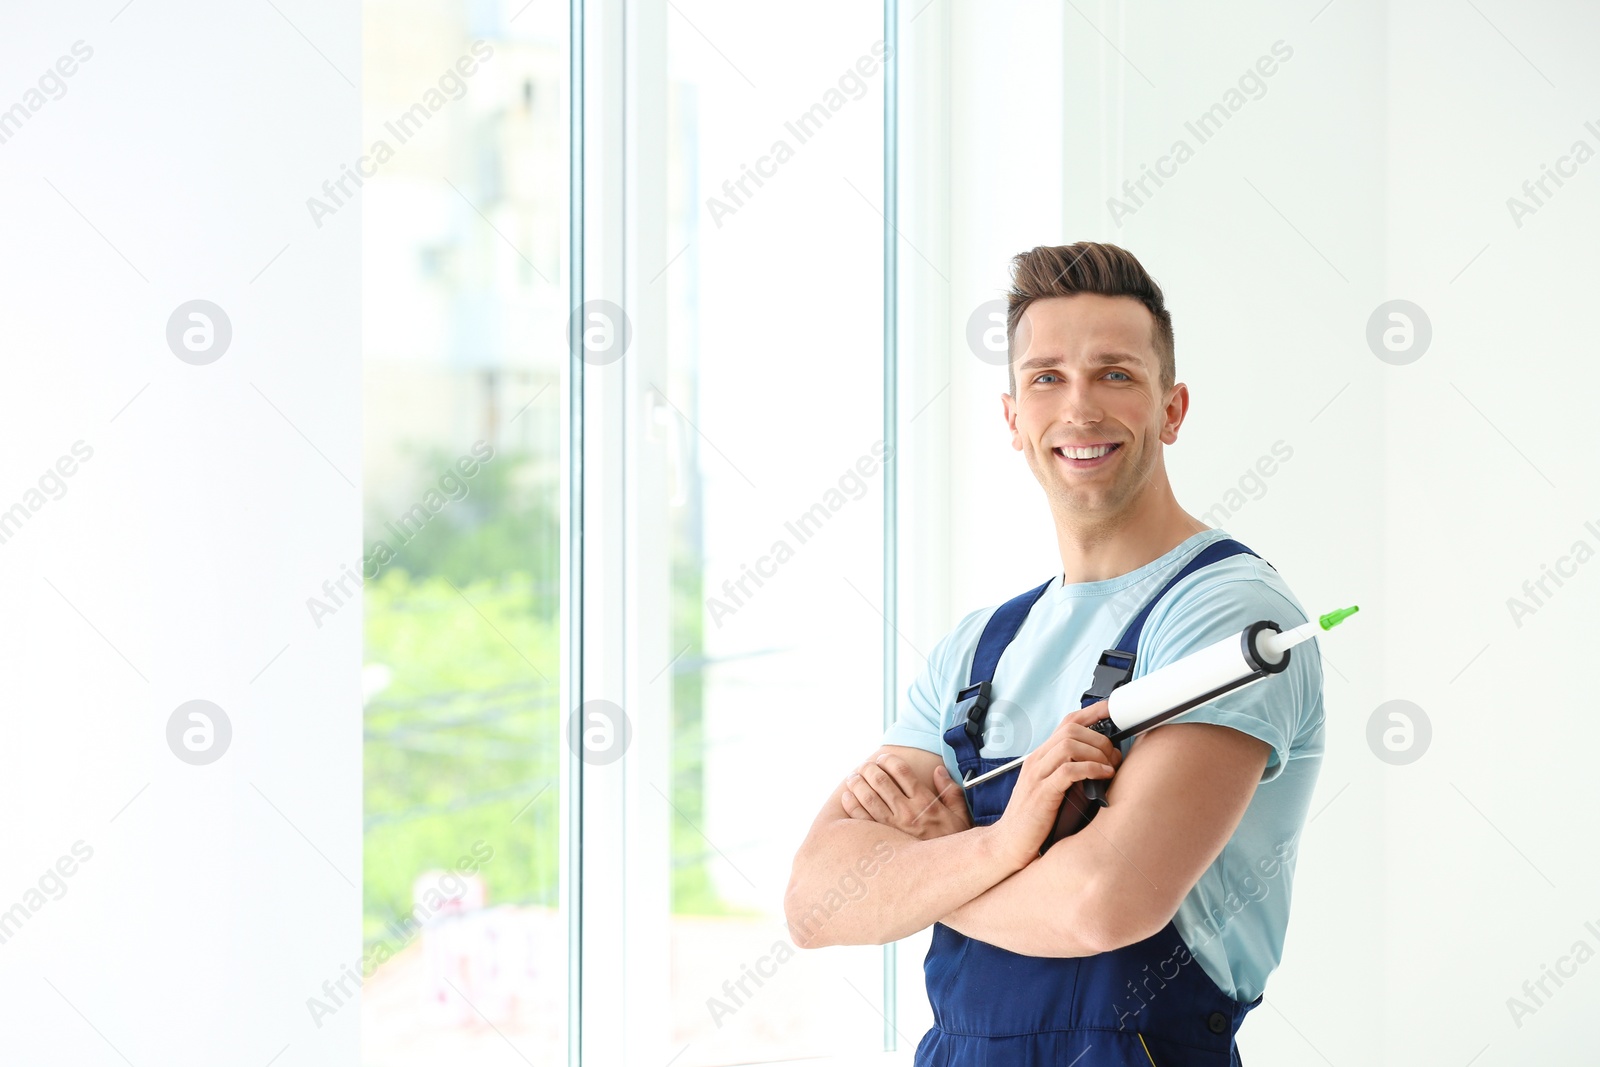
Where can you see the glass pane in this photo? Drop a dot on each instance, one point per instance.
(775, 144)
(464, 216)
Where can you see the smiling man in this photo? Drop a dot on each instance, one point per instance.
(1148, 935)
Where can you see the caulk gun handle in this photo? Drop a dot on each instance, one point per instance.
(1072, 817)
(1094, 789)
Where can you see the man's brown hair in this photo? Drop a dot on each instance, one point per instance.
(1087, 267)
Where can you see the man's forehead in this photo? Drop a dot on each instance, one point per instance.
(1086, 311)
(1103, 326)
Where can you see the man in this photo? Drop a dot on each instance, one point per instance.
(1147, 935)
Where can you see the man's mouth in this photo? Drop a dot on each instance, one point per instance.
(1087, 457)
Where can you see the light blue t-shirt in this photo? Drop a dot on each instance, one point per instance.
(1233, 920)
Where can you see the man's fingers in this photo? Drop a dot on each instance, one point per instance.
(950, 794)
(886, 786)
(1070, 729)
(852, 806)
(1076, 771)
(1090, 715)
(1080, 750)
(1070, 750)
(900, 771)
(868, 797)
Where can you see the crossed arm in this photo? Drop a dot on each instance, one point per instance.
(894, 850)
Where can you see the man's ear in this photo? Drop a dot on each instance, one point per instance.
(1177, 410)
(1008, 404)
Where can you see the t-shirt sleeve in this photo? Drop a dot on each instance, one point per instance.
(920, 720)
(1274, 709)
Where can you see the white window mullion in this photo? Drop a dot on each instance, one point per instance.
(624, 861)
(600, 543)
(649, 813)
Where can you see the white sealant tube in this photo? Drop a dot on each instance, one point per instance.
(1179, 683)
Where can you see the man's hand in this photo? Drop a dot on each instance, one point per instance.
(1071, 753)
(916, 881)
(887, 791)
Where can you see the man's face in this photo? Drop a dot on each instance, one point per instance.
(1088, 375)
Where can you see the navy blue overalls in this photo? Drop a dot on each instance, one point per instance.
(1147, 1003)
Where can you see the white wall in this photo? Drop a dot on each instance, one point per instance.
(176, 565)
(1491, 475)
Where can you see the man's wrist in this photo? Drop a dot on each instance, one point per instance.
(996, 849)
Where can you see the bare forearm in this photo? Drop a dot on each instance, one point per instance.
(1042, 910)
(857, 882)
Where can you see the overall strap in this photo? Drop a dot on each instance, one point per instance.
(972, 701)
(1116, 663)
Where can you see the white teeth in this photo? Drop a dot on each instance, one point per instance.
(1086, 453)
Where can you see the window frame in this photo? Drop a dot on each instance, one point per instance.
(615, 619)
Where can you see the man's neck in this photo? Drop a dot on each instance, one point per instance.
(1093, 551)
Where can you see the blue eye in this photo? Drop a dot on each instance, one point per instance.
(1123, 373)
(1043, 376)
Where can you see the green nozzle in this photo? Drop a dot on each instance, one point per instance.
(1334, 618)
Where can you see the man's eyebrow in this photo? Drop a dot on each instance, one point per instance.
(1099, 359)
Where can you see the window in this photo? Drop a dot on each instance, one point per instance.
(465, 294)
(625, 573)
(773, 404)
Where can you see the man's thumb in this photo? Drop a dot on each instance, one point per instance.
(949, 793)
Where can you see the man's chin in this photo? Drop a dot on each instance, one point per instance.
(1098, 502)
(1091, 501)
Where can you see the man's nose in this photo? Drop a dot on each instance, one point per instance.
(1077, 402)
